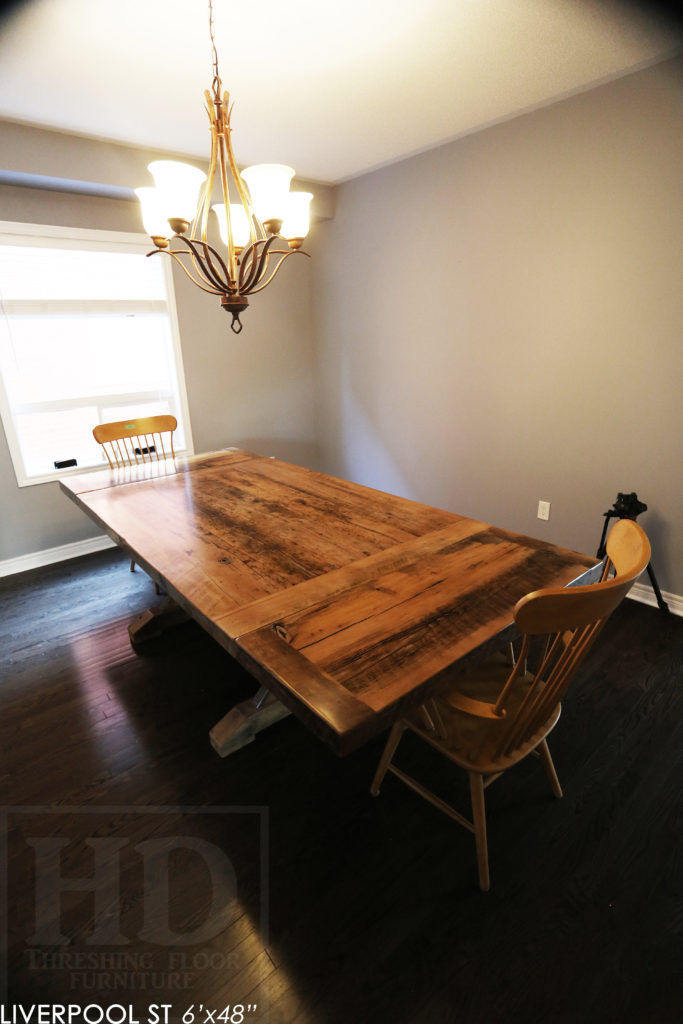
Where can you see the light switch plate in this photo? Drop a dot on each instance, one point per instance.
(544, 510)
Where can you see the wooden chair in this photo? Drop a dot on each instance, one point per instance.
(133, 442)
(488, 719)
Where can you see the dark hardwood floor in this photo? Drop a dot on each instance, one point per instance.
(274, 880)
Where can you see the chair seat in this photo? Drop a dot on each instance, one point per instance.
(471, 741)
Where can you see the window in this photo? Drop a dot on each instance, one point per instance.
(88, 334)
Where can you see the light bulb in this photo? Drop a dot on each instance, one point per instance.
(269, 188)
(154, 218)
(178, 185)
(296, 221)
(238, 221)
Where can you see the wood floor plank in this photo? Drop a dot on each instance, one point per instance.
(363, 909)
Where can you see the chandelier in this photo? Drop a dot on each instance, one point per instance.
(266, 215)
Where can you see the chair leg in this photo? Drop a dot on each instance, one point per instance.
(385, 760)
(436, 715)
(479, 822)
(132, 565)
(547, 760)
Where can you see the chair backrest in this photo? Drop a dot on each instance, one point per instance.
(569, 619)
(129, 442)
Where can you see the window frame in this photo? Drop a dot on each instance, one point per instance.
(58, 237)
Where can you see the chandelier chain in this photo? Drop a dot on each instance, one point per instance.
(216, 84)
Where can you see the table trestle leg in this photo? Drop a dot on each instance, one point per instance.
(240, 725)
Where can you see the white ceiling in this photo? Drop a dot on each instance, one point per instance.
(332, 87)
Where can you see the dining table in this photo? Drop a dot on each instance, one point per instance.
(347, 605)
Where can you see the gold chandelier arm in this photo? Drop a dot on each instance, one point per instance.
(254, 267)
(223, 152)
(176, 256)
(214, 283)
(249, 263)
(203, 268)
(284, 253)
(228, 278)
(206, 267)
(237, 177)
(207, 189)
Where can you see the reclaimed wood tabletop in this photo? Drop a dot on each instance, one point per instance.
(347, 604)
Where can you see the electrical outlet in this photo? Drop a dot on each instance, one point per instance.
(543, 510)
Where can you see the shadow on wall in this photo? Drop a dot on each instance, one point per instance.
(365, 455)
(658, 530)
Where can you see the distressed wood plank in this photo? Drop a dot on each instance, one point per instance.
(345, 602)
(249, 526)
(315, 697)
(153, 535)
(426, 628)
(389, 638)
(266, 611)
(351, 508)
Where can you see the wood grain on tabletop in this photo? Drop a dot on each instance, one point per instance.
(345, 601)
(249, 525)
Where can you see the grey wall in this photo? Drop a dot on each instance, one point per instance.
(499, 320)
(256, 391)
(494, 322)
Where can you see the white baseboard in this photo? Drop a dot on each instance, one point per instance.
(60, 554)
(644, 593)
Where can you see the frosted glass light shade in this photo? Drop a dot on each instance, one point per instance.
(269, 188)
(178, 186)
(239, 221)
(297, 220)
(154, 218)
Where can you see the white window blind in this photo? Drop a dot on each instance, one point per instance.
(87, 335)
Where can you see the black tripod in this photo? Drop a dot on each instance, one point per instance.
(627, 506)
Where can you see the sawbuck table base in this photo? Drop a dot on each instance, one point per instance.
(239, 726)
